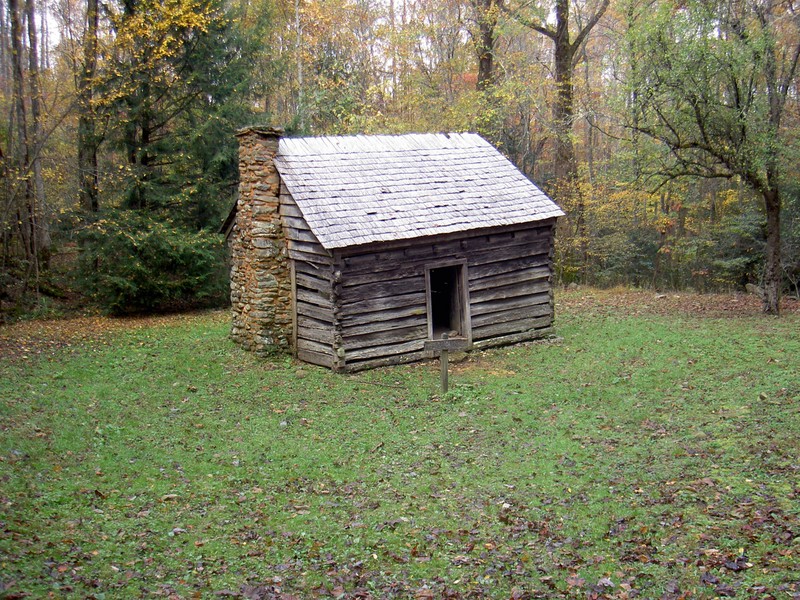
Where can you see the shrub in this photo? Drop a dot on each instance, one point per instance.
(131, 263)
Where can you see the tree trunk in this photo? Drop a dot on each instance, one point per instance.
(39, 204)
(18, 90)
(5, 72)
(393, 34)
(772, 272)
(565, 49)
(590, 122)
(87, 140)
(22, 188)
(487, 39)
(565, 168)
(301, 112)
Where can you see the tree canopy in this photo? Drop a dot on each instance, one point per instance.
(667, 130)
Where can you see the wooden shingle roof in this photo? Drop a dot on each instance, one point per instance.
(356, 190)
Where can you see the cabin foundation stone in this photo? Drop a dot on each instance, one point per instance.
(261, 292)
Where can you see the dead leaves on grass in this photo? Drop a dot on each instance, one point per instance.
(644, 302)
(26, 340)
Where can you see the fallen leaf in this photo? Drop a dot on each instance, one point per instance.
(573, 581)
(709, 579)
(725, 590)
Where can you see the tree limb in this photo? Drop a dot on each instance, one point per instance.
(581, 37)
(525, 22)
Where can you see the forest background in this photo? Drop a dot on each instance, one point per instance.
(666, 129)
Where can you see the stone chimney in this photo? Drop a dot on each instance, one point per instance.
(261, 291)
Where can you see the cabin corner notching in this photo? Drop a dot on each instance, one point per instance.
(353, 251)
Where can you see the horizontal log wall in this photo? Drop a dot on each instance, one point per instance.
(511, 288)
(380, 300)
(313, 287)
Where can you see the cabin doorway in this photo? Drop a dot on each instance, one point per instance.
(448, 302)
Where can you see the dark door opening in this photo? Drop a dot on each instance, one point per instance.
(447, 304)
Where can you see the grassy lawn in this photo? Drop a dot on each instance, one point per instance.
(650, 454)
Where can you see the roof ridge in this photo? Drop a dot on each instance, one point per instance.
(364, 144)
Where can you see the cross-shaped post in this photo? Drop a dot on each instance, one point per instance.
(443, 347)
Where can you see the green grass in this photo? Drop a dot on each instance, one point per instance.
(655, 456)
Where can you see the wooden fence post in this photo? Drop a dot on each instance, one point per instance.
(443, 347)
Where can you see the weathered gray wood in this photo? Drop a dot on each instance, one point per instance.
(447, 245)
(515, 338)
(314, 269)
(401, 271)
(425, 251)
(376, 322)
(288, 209)
(384, 337)
(298, 223)
(379, 289)
(481, 308)
(315, 358)
(443, 347)
(317, 336)
(308, 330)
(322, 286)
(381, 304)
(309, 297)
(381, 351)
(446, 343)
(323, 260)
(311, 322)
(390, 261)
(503, 316)
(375, 363)
(509, 327)
(488, 233)
(308, 247)
(301, 235)
(524, 288)
(386, 315)
(405, 269)
(490, 255)
(313, 346)
(434, 249)
(315, 312)
(292, 280)
(381, 310)
(524, 263)
(444, 367)
(521, 276)
(371, 258)
(508, 239)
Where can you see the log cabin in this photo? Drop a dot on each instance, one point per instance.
(352, 251)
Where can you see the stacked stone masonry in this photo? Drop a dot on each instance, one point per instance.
(261, 291)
